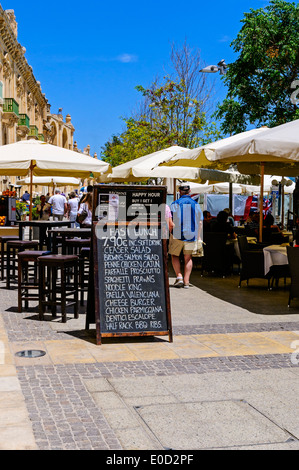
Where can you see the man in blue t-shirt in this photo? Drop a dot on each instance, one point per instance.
(187, 220)
(26, 197)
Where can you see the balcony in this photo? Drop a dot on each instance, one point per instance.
(33, 132)
(10, 106)
(24, 121)
(23, 126)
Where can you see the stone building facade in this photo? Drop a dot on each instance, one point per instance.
(25, 112)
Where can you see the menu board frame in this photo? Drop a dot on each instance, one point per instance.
(95, 295)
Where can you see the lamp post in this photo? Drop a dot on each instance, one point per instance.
(221, 67)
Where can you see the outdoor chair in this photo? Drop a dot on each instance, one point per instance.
(3, 243)
(279, 272)
(252, 262)
(73, 246)
(13, 248)
(293, 258)
(28, 284)
(84, 272)
(273, 237)
(218, 255)
(52, 293)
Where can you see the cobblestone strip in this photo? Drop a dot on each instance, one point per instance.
(62, 412)
(26, 327)
(235, 328)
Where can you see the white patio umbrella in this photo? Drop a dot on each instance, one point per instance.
(55, 181)
(268, 185)
(206, 155)
(141, 169)
(38, 158)
(274, 151)
(260, 151)
(148, 166)
(221, 188)
(277, 147)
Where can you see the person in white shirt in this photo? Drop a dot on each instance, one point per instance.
(73, 207)
(86, 205)
(59, 205)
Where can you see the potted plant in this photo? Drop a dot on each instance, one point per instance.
(21, 210)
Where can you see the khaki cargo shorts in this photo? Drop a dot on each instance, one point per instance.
(177, 246)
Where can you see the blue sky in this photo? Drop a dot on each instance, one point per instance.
(89, 56)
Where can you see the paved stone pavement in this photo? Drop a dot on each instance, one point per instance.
(228, 381)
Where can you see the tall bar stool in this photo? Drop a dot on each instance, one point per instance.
(13, 248)
(55, 241)
(3, 242)
(28, 284)
(52, 293)
(84, 273)
(74, 246)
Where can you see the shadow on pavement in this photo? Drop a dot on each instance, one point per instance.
(255, 297)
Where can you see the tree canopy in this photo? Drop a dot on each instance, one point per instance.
(261, 81)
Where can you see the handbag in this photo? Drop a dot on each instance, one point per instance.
(199, 250)
(81, 217)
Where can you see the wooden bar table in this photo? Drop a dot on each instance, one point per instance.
(64, 233)
(44, 227)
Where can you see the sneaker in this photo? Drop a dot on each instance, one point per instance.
(178, 283)
(186, 286)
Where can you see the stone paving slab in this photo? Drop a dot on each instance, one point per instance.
(15, 427)
(183, 347)
(198, 427)
(82, 396)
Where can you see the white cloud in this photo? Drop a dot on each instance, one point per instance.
(225, 39)
(127, 58)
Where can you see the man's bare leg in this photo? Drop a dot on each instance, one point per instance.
(177, 266)
(177, 269)
(188, 269)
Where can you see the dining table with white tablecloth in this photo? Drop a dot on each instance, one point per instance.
(275, 255)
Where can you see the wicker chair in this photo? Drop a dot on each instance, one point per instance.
(293, 258)
(218, 256)
(252, 262)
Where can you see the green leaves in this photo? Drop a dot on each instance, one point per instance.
(171, 117)
(259, 81)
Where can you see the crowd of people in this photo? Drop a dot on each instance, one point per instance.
(223, 223)
(76, 208)
(187, 224)
(189, 238)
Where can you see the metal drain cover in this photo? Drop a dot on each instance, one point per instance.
(31, 354)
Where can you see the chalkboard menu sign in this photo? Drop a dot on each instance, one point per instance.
(131, 290)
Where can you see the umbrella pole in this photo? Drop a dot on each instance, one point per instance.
(261, 203)
(174, 189)
(31, 189)
(282, 205)
(231, 197)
